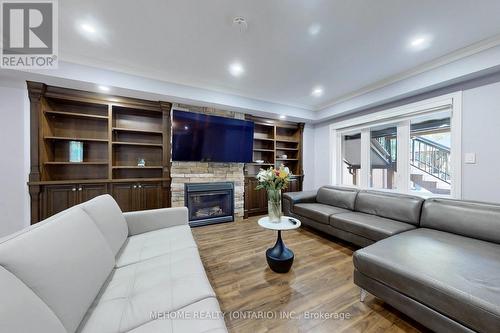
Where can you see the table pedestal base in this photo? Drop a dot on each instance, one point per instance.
(279, 258)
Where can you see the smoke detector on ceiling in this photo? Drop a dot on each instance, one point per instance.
(240, 23)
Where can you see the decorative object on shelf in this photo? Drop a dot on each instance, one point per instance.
(274, 180)
(76, 151)
(259, 161)
(141, 162)
(284, 156)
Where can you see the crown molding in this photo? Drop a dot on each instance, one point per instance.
(459, 54)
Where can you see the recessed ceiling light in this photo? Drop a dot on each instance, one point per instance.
(317, 91)
(420, 42)
(236, 69)
(88, 28)
(314, 29)
(104, 88)
(282, 116)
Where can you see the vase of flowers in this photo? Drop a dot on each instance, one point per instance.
(273, 181)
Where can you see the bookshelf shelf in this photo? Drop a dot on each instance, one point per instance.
(76, 115)
(135, 130)
(143, 144)
(138, 167)
(76, 163)
(66, 138)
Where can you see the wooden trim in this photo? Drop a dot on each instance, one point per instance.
(98, 98)
(301, 148)
(35, 93)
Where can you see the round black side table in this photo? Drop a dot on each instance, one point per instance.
(279, 257)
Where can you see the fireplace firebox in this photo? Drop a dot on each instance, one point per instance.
(209, 203)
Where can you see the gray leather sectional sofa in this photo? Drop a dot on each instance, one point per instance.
(436, 260)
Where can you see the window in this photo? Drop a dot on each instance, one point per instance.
(351, 159)
(411, 149)
(383, 157)
(430, 154)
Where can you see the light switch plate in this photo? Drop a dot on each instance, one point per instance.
(470, 158)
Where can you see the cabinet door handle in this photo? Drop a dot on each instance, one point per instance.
(73, 189)
(140, 186)
(80, 189)
(135, 186)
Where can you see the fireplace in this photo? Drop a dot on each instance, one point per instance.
(209, 203)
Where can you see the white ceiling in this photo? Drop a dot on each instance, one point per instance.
(360, 43)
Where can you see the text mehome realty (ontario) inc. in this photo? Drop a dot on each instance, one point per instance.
(252, 315)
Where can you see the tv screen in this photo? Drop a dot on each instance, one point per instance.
(198, 137)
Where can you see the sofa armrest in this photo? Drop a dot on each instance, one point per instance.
(149, 220)
(300, 197)
(292, 198)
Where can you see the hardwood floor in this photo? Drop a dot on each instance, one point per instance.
(319, 283)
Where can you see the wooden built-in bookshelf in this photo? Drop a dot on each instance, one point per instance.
(115, 131)
(272, 139)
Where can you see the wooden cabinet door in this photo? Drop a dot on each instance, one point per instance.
(255, 200)
(295, 185)
(57, 198)
(90, 191)
(150, 195)
(127, 196)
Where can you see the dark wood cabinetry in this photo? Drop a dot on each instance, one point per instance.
(117, 133)
(90, 191)
(140, 195)
(255, 200)
(295, 184)
(56, 198)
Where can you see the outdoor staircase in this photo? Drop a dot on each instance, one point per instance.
(430, 166)
(429, 183)
(429, 162)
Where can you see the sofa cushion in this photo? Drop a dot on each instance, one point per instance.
(205, 316)
(161, 284)
(466, 218)
(337, 196)
(22, 310)
(318, 212)
(64, 260)
(155, 243)
(109, 219)
(454, 275)
(369, 226)
(401, 207)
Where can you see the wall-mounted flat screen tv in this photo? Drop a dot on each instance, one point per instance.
(199, 137)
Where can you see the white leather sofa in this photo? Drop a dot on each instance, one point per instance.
(93, 268)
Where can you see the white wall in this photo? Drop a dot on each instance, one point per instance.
(481, 135)
(308, 158)
(322, 168)
(14, 152)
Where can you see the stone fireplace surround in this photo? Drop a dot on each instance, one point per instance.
(203, 172)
